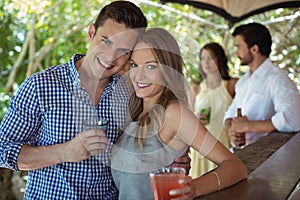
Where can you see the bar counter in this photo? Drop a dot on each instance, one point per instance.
(273, 166)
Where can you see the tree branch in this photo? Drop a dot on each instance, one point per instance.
(17, 64)
(49, 9)
(31, 47)
(39, 56)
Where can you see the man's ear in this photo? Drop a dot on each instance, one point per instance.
(255, 49)
(91, 32)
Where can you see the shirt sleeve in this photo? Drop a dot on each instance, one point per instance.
(286, 104)
(20, 125)
(230, 112)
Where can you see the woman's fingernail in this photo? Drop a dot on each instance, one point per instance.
(172, 192)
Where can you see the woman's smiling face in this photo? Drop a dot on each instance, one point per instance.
(145, 73)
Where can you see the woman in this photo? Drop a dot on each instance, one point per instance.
(161, 127)
(215, 95)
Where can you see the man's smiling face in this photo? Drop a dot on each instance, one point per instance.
(110, 48)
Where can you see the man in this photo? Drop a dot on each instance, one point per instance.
(268, 98)
(50, 126)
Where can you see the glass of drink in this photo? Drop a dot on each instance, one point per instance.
(93, 124)
(102, 123)
(205, 115)
(241, 145)
(165, 179)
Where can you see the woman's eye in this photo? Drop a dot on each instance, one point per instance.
(133, 65)
(151, 66)
(206, 58)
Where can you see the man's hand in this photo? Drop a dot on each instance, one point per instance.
(183, 161)
(240, 124)
(84, 145)
(236, 131)
(236, 139)
(81, 147)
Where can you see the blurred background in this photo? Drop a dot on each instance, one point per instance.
(36, 34)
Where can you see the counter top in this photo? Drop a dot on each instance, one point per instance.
(273, 164)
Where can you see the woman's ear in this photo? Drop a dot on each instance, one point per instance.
(91, 32)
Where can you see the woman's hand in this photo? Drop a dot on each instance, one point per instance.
(185, 192)
(203, 118)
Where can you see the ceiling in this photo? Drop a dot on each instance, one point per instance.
(237, 10)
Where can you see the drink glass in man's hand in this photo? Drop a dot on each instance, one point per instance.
(102, 123)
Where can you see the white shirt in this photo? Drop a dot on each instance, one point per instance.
(267, 93)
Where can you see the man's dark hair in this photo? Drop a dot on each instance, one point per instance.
(122, 12)
(255, 33)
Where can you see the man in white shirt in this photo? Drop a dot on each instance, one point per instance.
(268, 98)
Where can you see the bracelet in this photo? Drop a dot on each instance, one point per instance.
(219, 183)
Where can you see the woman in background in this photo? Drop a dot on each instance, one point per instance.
(215, 95)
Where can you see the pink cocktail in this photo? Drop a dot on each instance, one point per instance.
(165, 179)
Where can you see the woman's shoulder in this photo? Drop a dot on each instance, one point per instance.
(233, 80)
(176, 109)
(173, 107)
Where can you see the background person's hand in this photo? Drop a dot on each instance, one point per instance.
(240, 124)
(203, 118)
(236, 138)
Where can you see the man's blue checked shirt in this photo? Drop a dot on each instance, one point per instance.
(51, 108)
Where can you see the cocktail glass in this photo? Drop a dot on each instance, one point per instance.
(165, 179)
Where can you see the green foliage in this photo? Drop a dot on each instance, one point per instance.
(4, 103)
(64, 29)
(8, 42)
